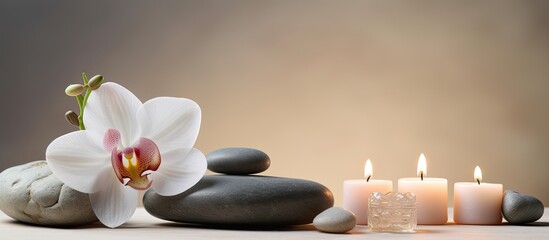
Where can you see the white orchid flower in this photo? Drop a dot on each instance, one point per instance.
(129, 146)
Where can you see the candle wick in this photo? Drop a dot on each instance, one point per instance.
(368, 179)
(478, 180)
(421, 174)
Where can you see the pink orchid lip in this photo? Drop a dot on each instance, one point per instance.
(133, 163)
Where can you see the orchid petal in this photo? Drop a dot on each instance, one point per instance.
(180, 170)
(113, 106)
(171, 123)
(111, 140)
(115, 203)
(77, 160)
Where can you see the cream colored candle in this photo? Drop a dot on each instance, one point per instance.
(477, 202)
(431, 195)
(357, 192)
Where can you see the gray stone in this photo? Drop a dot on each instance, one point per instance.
(238, 161)
(521, 208)
(242, 201)
(30, 193)
(335, 220)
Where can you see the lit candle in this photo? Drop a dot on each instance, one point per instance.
(357, 192)
(477, 202)
(431, 195)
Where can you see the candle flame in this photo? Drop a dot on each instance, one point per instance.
(368, 170)
(478, 175)
(422, 166)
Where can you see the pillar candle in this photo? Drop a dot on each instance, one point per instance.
(431, 195)
(356, 193)
(477, 202)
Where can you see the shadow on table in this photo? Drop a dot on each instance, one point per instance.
(87, 226)
(306, 227)
(95, 225)
(534, 224)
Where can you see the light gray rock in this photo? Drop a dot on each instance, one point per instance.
(238, 161)
(335, 220)
(31, 193)
(521, 208)
(242, 201)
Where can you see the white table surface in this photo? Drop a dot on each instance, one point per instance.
(144, 226)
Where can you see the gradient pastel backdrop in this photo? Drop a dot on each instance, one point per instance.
(320, 86)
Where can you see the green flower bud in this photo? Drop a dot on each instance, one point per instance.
(72, 118)
(74, 90)
(95, 82)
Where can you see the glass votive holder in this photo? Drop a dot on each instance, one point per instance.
(392, 212)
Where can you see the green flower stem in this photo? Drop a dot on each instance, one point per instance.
(79, 99)
(81, 116)
(82, 102)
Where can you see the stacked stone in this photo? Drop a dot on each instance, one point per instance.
(236, 197)
(30, 193)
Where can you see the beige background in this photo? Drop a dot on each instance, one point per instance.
(319, 85)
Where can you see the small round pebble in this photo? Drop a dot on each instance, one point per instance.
(521, 208)
(238, 161)
(335, 220)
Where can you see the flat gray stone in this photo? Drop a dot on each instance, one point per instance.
(521, 208)
(238, 161)
(335, 220)
(31, 193)
(229, 200)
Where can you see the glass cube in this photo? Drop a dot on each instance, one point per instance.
(392, 212)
